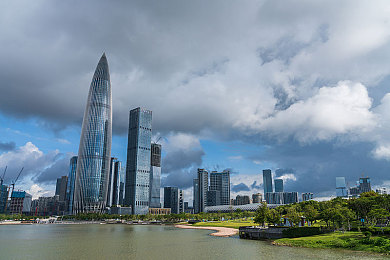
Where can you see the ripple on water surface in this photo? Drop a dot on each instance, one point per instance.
(144, 242)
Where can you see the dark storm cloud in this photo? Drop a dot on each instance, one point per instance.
(10, 146)
(58, 168)
(182, 178)
(316, 166)
(240, 187)
(181, 160)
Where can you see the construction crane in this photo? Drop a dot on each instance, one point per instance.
(2, 178)
(13, 183)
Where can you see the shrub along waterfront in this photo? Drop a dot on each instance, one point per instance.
(354, 222)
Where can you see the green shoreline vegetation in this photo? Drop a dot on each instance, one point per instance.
(357, 224)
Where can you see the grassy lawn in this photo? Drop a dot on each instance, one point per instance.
(347, 240)
(228, 223)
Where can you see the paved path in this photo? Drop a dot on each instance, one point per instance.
(221, 231)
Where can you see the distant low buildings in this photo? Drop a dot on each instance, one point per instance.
(257, 198)
(381, 191)
(241, 200)
(307, 196)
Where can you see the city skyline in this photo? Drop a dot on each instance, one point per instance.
(307, 100)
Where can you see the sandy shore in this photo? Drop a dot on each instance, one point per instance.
(221, 231)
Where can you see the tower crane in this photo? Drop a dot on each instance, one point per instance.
(13, 183)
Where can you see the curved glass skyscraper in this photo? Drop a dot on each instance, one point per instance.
(93, 163)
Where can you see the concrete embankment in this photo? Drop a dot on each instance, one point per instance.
(221, 231)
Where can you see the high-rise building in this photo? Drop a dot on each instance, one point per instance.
(201, 185)
(213, 198)
(307, 196)
(116, 183)
(171, 199)
(181, 201)
(61, 187)
(257, 198)
(155, 175)
(274, 198)
(3, 197)
(195, 203)
(220, 181)
(267, 181)
(112, 186)
(93, 163)
(71, 183)
(290, 197)
(341, 188)
(364, 184)
(137, 187)
(279, 185)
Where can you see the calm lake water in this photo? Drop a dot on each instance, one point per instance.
(143, 242)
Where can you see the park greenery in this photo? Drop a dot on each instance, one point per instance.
(370, 209)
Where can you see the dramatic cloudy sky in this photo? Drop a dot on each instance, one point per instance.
(300, 87)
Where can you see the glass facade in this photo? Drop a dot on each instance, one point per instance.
(267, 181)
(155, 175)
(116, 182)
(138, 161)
(220, 181)
(94, 155)
(71, 181)
(279, 185)
(171, 199)
(201, 185)
(341, 187)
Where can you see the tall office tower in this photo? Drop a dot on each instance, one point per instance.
(201, 194)
(71, 183)
(195, 202)
(181, 201)
(138, 161)
(110, 188)
(116, 183)
(220, 181)
(155, 175)
(257, 198)
(279, 185)
(307, 196)
(341, 189)
(364, 184)
(93, 163)
(61, 187)
(171, 199)
(267, 181)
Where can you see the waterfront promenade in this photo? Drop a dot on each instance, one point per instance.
(221, 231)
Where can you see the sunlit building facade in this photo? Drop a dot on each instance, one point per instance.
(71, 181)
(93, 163)
(155, 176)
(137, 187)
